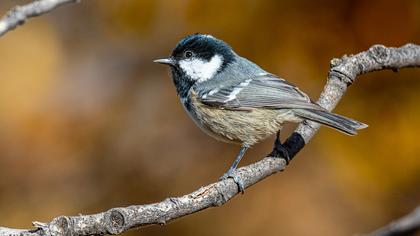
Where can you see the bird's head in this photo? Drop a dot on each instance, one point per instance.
(199, 57)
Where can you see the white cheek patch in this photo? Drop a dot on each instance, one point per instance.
(201, 70)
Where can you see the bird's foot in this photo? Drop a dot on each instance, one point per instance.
(236, 178)
(280, 151)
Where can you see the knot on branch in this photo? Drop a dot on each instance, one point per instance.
(335, 62)
(380, 53)
(61, 226)
(339, 69)
(115, 221)
(17, 14)
(411, 46)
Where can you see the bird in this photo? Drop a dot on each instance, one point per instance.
(236, 101)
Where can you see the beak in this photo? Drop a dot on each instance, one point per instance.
(165, 61)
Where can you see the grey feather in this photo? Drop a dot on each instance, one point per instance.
(249, 86)
(341, 123)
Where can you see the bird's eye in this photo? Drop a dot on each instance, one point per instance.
(188, 54)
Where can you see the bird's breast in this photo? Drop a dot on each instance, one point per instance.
(195, 112)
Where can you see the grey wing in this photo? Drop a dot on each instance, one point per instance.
(262, 91)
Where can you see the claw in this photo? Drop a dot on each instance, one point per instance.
(280, 151)
(231, 172)
(236, 178)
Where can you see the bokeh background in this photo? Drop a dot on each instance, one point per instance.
(88, 122)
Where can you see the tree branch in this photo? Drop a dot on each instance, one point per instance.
(406, 225)
(18, 15)
(343, 73)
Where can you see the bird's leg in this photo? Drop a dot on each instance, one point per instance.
(231, 172)
(279, 150)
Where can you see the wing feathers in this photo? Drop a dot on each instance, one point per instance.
(265, 91)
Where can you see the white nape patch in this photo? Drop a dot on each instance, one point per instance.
(238, 89)
(201, 70)
(208, 36)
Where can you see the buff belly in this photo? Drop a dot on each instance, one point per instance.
(244, 127)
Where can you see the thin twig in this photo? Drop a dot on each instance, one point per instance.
(19, 14)
(343, 73)
(406, 225)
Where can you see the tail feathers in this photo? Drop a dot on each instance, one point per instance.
(341, 123)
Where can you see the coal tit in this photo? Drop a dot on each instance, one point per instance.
(234, 100)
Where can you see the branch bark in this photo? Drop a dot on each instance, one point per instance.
(342, 74)
(18, 15)
(406, 225)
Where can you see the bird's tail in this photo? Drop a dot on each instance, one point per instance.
(341, 123)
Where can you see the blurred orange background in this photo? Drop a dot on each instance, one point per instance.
(88, 122)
